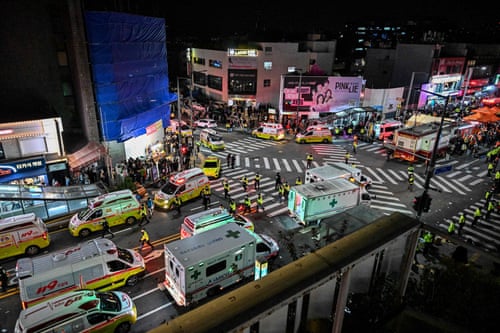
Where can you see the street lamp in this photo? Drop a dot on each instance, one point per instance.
(299, 70)
(432, 162)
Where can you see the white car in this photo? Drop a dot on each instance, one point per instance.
(205, 123)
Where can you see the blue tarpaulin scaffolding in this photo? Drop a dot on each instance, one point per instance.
(128, 56)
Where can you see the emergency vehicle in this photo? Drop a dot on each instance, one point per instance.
(22, 234)
(210, 139)
(187, 184)
(386, 129)
(270, 131)
(117, 208)
(206, 263)
(80, 311)
(315, 134)
(96, 264)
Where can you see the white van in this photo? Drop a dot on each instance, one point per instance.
(210, 139)
(209, 219)
(96, 264)
(315, 135)
(80, 311)
(117, 208)
(187, 184)
(270, 131)
(22, 234)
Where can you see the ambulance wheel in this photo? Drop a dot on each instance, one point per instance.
(273, 138)
(32, 250)
(132, 281)
(325, 141)
(130, 220)
(302, 141)
(123, 328)
(213, 291)
(84, 233)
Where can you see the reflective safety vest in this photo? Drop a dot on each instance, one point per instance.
(428, 238)
(477, 213)
(260, 199)
(226, 186)
(461, 220)
(257, 177)
(232, 206)
(248, 202)
(298, 181)
(491, 206)
(451, 227)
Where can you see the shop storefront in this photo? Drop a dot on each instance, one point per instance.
(26, 171)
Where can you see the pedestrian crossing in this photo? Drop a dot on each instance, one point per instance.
(486, 232)
(383, 199)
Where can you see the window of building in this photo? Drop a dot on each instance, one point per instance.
(215, 63)
(215, 82)
(268, 65)
(268, 50)
(200, 78)
(199, 61)
(267, 83)
(242, 82)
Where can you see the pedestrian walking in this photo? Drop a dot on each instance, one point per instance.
(244, 182)
(4, 279)
(232, 206)
(277, 182)
(354, 147)
(106, 230)
(256, 182)
(206, 197)
(491, 207)
(487, 198)
(491, 169)
(226, 186)
(411, 181)
(477, 216)
(233, 160)
(309, 160)
(151, 206)
(411, 169)
(260, 202)
(145, 240)
(451, 228)
(144, 215)
(286, 190)
(228, 160)
(248, 204)
(281, 193)
(461, 223)
(177, 204)
(347, 157)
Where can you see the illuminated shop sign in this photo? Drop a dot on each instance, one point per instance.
(7, 169)
(242, 52)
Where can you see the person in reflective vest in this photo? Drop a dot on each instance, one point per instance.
(461, 223)
(298, 181)
(309, 160)
(248, 204)
(451, 228)
(477, 216)
(226, 188)
(232, 207)
(427, 242)
(244, 183)
(260, 202)
(256, 183)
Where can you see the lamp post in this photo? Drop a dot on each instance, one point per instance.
(298, 96)
(432, 162)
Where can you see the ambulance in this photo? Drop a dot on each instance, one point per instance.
(80, 311)
(180, 126)
(117, 208)
(22, 234)
(96, 264)
(187, 184)
(210, 139)
(270, 131)
(315, 135)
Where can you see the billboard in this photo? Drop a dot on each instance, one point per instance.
(320, 93)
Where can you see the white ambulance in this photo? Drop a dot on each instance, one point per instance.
(117, 208)
(270, 131)
(22, 234)
(96, 264)
(187, 184)
(80, 311)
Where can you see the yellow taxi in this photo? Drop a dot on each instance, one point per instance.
(211, 167)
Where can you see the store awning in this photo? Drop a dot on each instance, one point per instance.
(90, 153)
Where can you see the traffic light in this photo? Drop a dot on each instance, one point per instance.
(422, 203)
(417, 203)
(426, 203)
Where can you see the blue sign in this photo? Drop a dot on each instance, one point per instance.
(443, 169)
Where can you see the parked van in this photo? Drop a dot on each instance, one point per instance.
(182, 126)
(210, 139)
(315, 134)
(209, 219)
(96, 264)
(117, 208)
(80, 311)
(271, 131)
(188, 184)
(22, 234)
(385, 129)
